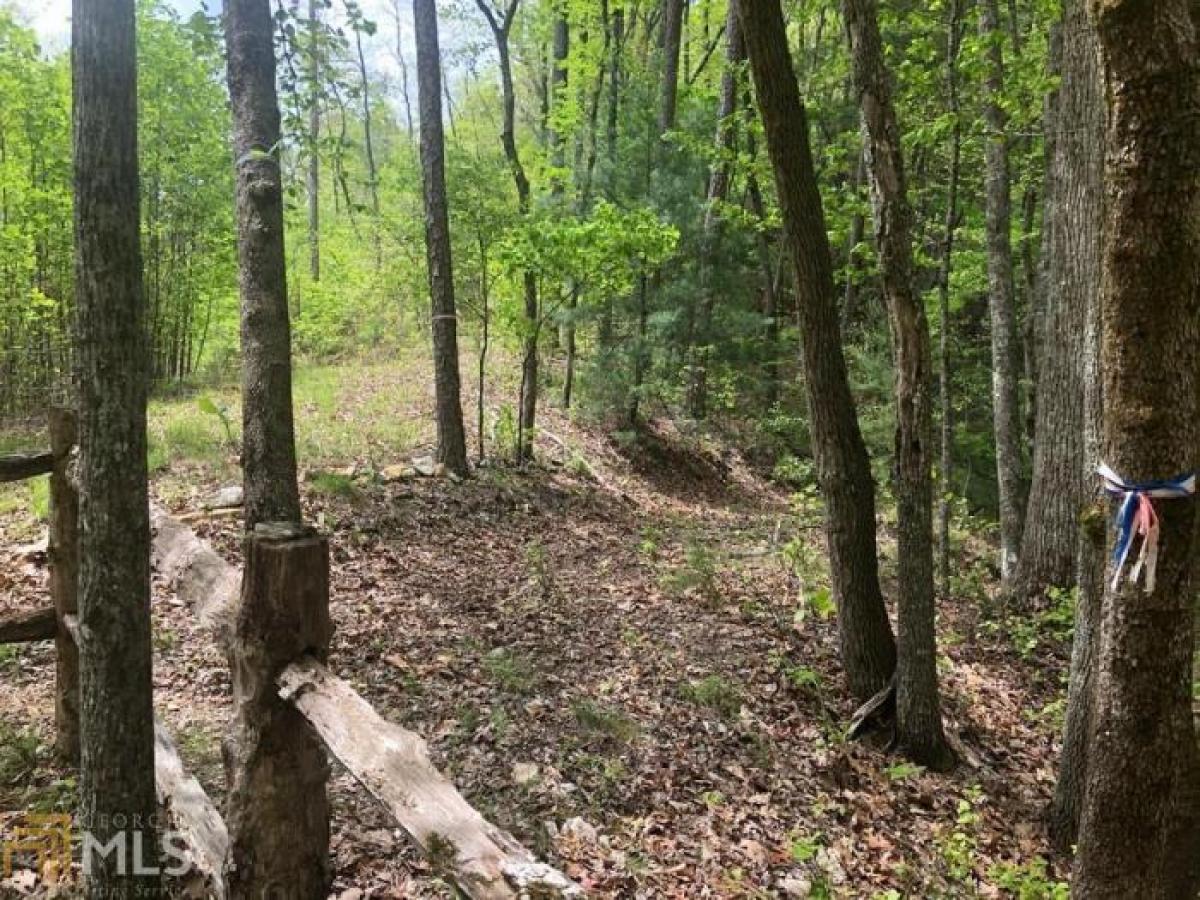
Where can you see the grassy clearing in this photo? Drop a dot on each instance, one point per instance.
(364, 411)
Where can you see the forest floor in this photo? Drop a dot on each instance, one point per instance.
(624, 655)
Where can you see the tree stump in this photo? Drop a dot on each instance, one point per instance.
(276, 767)
(63, 551)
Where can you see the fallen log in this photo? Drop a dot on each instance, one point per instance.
(195, 820)
(19, 466)
(393, 764)
(35, 625)
(197, 574)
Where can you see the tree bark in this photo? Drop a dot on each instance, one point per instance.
(501, 27)
(369, 147)
(1005, 401)
(268, 433)
(867, 647)
(313, 171)
(918, 706)
(1074, 216)
(1140, 830)
(275, 765)
(950, 227)
(671, 36)
(452, 442)
(117, 800)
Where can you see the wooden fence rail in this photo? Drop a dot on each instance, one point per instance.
(392, 763)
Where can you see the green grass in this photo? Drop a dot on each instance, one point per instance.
(605, 720)
(715, 693)
(354, 411)
(333, 484)
(513, 673)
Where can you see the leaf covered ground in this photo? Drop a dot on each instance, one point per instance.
(624, 655)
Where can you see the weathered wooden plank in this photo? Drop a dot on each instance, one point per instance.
(30, 625)
(19, 466)
(197, 574)
(193, 817)
(393, 764)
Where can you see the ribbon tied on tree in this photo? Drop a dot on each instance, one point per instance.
(1137, 518)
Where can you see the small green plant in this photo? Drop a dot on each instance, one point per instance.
(803, 678)
(957, 846)
(165, 639)
(537, 559)
(713, 799)
(903, 771)
(793, 472)
(511, 672)
(9, 654)
(1028, 881)
(1056, 622)
(39, 498)
(651, 541)
(19, 751)
(698, 573)
(210, 407)
(804, 847)
(605, 720)
(579, 467)
(715, 693)
(504, 432)
(818, 603)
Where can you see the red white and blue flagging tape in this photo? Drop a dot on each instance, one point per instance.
(1137, 518)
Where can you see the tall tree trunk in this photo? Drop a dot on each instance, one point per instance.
(1072, 233)
(718, 193)
(1139, 834)
(268, 433)
(852, 291)
(918, 706)
(112, 377)
(617, 47)
(403, 62)
(1005, 400)
(501, 27)
(452, 443)
(369, 146)
(946, 466)
(867, 647)
(671, 35)
(313, 174)
(561, 47)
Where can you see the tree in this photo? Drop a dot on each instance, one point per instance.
(949, 228)
(1065, 461)
(313, 170)
(918, 707)
(672, 31)
(452, 443)
(1005, 406)
(500, 22)
(1140, 828)
(268, 433)
(718, 193)
(1058, 486)
(112, 377)
(867, 647)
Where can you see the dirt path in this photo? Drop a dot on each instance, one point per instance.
(608, 662)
